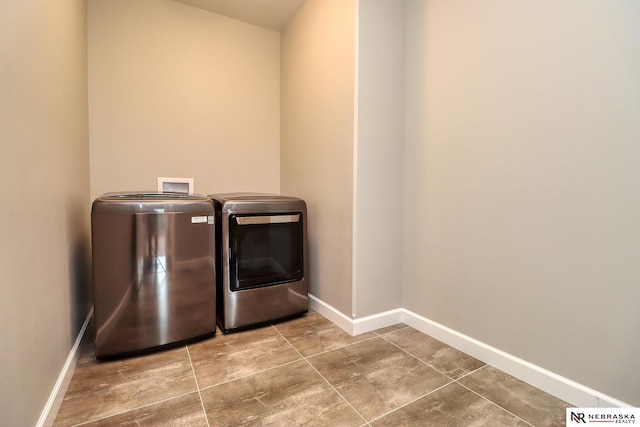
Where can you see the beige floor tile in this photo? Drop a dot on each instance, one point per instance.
(313, 334)
(178, 412)
(450, 406)
(442, 357)
(103, 389)
(525, 401)
(231, 356)
(375, 376)
(257, 378)
(290, 395)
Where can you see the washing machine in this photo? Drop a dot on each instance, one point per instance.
(153, 271)
(262, 259)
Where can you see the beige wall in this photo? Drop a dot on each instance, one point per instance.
(522, 215)
(379, 155)
(317, 107)
(177, 91)
(44, 218)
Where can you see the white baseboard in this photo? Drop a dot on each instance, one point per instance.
(357, 326)
(48, 415)
(547, 381)
(332, 314)
(377, 321)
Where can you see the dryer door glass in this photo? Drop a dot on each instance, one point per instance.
(265, 250)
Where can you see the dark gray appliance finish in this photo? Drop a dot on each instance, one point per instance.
(153, 271)
(262, 259)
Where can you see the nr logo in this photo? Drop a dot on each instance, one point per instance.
(577, 417)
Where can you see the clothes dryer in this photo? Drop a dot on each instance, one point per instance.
(262, 259)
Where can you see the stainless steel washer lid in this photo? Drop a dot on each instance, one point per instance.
(150, 202)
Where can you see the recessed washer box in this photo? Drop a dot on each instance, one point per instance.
(175, 185)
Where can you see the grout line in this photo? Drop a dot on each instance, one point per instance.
(332, 387)
(453, 380)
(334, 348)
(472, 372)
(288, 342)
(93, 420)
(257, 372)
(376, 335)
(193, 371)
(323, 377)
(339, 347)
(420, 360)
(251, 374)
(404, 326)
(414, 400)
(494, 403)
(263, 370)
(148, 404)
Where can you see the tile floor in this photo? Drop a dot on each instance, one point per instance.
(305, 371)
